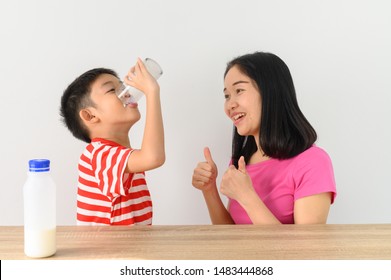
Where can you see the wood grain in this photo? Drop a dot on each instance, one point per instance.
(229, 242)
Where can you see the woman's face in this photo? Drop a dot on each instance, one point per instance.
(242, 102)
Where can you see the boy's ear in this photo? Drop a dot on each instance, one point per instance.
(88, 116)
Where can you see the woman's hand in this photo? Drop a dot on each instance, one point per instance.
(236, 183)
(205, 174)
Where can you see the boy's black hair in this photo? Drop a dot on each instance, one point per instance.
(284, 130)
(77, 97)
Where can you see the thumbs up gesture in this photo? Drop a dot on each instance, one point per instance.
(205, 174)
(236, 183)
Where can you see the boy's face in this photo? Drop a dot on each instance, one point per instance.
(108, 107)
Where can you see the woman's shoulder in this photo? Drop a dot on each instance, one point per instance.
(313, 173)
(313, 157)
(313, 152)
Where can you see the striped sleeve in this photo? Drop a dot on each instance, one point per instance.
(106, 194)
(109, 164)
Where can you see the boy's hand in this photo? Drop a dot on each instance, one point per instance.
(139, 77)
(152, 153)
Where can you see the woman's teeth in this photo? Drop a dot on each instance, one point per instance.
(238, 116)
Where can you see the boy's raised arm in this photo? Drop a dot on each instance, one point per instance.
(152, 152)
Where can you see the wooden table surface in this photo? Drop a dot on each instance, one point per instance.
(213, 242)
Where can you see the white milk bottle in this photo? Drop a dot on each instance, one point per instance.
(39, 198)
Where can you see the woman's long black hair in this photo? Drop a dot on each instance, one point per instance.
(284, 130)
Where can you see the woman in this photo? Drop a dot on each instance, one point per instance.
(277, 174)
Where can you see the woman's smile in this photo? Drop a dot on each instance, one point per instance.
(237, 117)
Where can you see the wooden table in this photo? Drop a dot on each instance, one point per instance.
(229, 242)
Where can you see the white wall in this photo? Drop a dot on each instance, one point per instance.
(338, 53)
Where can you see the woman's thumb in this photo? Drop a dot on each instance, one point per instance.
(242, 165)
(208, 155)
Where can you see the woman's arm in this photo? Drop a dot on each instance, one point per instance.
(204, 179)
(217, 212)
(313, 209)
(257, 211)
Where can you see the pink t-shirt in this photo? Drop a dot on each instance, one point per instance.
(279, 183)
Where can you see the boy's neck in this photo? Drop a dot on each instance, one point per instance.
(122, 142)
(117, 133)
(122, 139)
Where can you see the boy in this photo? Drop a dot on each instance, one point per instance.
(111, 188)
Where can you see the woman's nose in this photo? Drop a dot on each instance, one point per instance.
(232, 103)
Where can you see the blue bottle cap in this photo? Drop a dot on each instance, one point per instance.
(39, 165)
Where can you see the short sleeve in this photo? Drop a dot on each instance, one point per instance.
(313, 174)
(108, 163)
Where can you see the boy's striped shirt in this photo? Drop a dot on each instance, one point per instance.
(106, 195)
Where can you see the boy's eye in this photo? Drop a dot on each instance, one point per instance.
(112, 90)
(120, 89)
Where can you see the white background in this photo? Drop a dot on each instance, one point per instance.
(339, 54)
(195, 269)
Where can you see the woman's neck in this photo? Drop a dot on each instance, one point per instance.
(257, 157)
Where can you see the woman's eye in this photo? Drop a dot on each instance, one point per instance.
(239, 90)
(226, 96)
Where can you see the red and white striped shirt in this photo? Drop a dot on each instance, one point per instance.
(106, 194)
